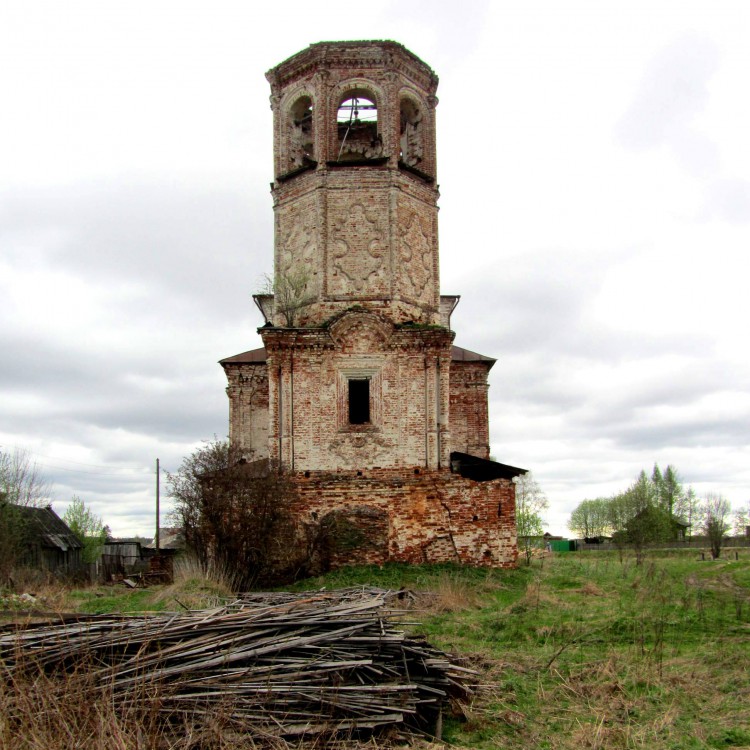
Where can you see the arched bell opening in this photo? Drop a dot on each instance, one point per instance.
(301, 134)
(411, 142)
(357, 127)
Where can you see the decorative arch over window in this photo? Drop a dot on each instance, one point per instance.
(411, 141)
(301, 133)
(357, 127)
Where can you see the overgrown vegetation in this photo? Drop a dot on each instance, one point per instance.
(577, 650)
(235, 514)
(292, 292)
(240, 516)
(21, 485)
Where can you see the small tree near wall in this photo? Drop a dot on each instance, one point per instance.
(530, 502)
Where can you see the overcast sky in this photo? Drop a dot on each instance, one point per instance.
(594, 170)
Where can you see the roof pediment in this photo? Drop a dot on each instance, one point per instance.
(361, 332)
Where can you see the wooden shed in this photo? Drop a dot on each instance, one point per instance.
(49, 543)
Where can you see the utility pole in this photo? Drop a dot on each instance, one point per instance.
(156, 538)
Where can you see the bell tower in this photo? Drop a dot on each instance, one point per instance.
(355, 197)
(358, 391)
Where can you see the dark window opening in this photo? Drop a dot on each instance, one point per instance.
(359, 401)
(301, 137)
(357, 123)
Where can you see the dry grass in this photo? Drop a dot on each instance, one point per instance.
(451, 594)
(49, 593)
(591, 589)
(644, 657)
(44, 712)
(196, 588)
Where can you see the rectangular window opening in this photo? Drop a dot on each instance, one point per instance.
(359, 401)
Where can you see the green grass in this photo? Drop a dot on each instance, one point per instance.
(104, 600)
(579, 650)
(585, 651)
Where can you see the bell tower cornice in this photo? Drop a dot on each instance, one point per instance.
(325, 56)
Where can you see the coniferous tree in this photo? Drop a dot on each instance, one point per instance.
(671, 490)
(658, 481)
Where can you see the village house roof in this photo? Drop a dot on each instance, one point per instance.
(45, 525)
(258, 356)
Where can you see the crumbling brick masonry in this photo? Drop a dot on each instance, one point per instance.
(358, 390)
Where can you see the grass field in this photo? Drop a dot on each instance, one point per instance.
(584, 651)
(578, 650)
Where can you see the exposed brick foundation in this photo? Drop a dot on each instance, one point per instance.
(433, 516)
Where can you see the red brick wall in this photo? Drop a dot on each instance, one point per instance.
(409, 372)
(248, 408)
(359, 234)
(433, 516)
(468, 408)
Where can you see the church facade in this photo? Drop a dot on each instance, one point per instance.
(359, 391)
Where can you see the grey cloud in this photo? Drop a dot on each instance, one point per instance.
(443, 18)
(674, 88)
(687, 431)
(544, 309)
(205, 247)
(730, 200)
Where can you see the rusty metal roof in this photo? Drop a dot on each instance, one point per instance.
(258, 356)
(254, 356)
(465, 355)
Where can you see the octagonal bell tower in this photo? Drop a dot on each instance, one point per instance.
(354, 189)
(358, 391)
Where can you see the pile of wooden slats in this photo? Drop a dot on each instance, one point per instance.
(272, 664)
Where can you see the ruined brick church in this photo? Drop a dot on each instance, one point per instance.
(358, 390)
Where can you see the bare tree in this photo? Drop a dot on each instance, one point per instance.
(741, 521)
(291, 293)
(716, 511)
(688, 508)
(21, 480)
(235, 514)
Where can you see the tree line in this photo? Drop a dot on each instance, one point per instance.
(657, 508)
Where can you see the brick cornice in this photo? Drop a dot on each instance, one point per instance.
(347, 56)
